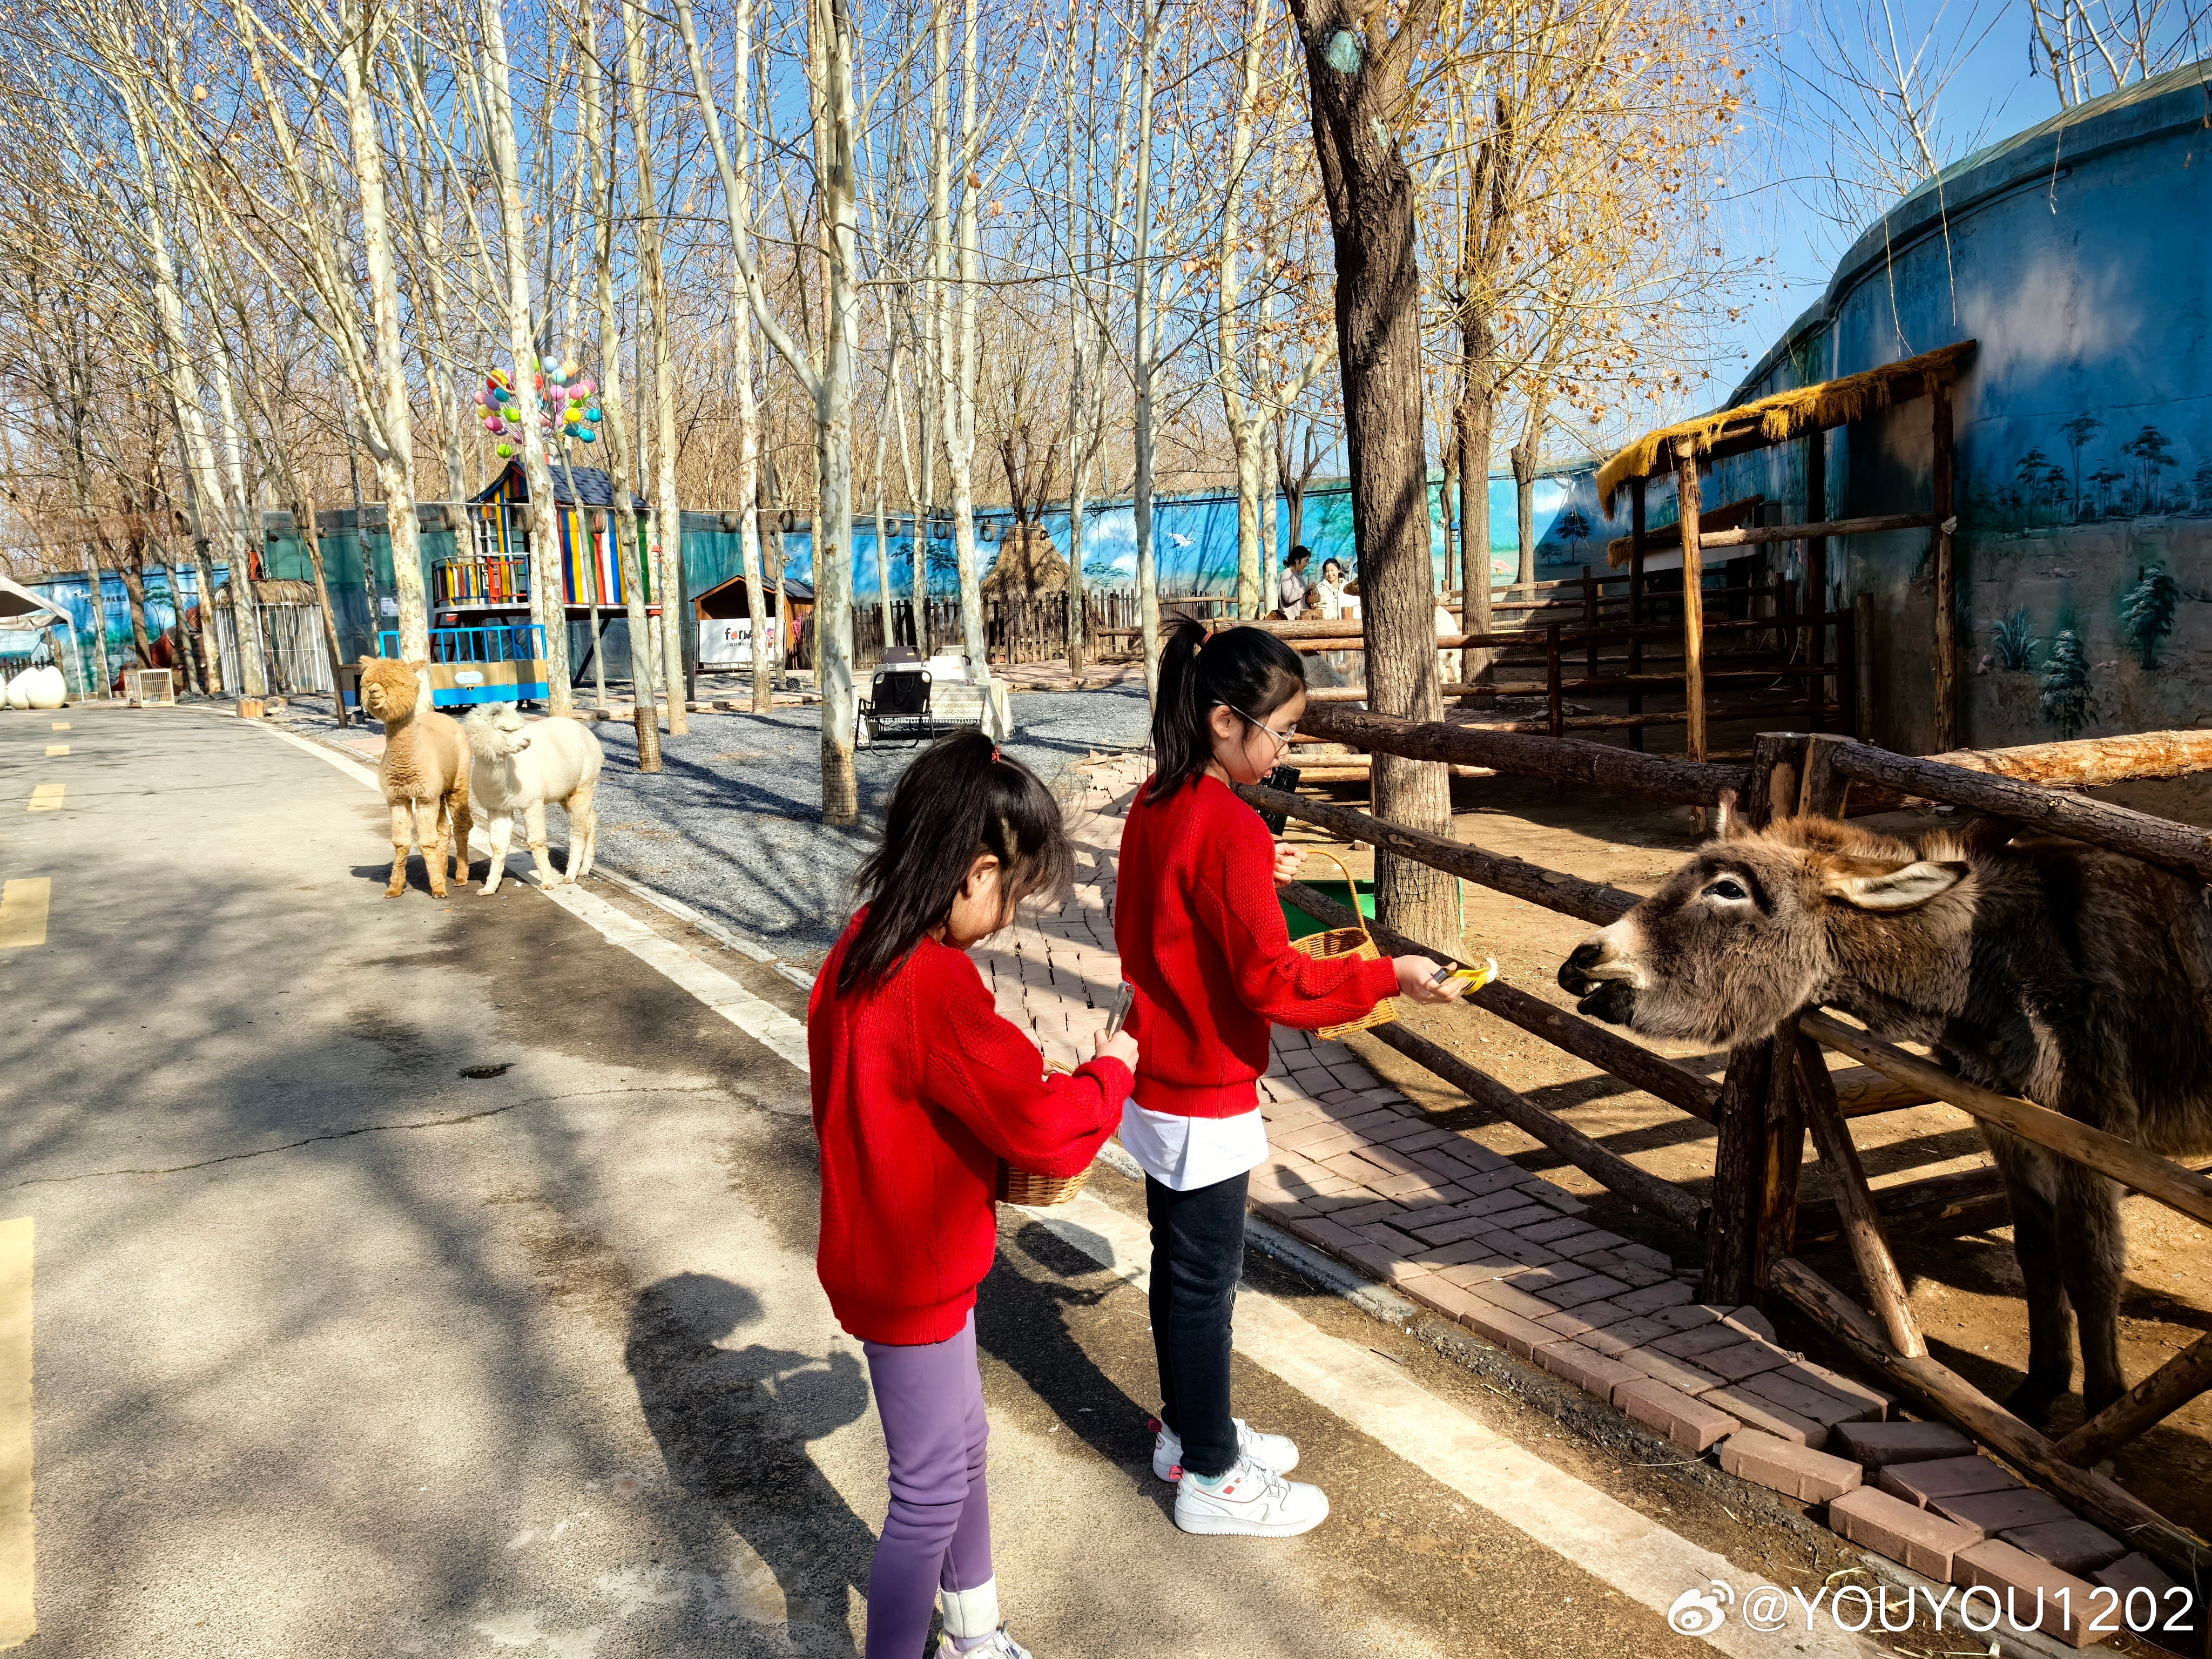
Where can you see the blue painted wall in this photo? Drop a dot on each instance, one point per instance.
(2079, 254)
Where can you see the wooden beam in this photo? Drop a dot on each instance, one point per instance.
(1969, 1200)
(1862, 663)
(1575, 760)
(1758, 535)
(1953, 1397)
(1946, 577)
(1584, 1039)
(1816, 555)
(2170, 1183)
(1862, 1226)
(2157, 1397)
(1639, 545)
(1554, 889)
(2177, 847)
(2088, 762)
(1693, 599)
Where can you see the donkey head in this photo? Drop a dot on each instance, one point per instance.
(1745, 934)
(496, 731)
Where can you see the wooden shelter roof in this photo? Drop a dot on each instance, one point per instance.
(1783, 416)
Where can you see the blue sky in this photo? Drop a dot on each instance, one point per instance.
(1989, 95)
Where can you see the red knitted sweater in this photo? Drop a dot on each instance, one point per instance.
(920, 1088)
(1203, 939)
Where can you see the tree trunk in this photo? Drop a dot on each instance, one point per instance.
(833, 521)
(1270, 548)
(1471, 429)
(546, 595)
(311, 539)
(244, 543)
(667, 516)
(960, 414)
(134, 584)
(598, 142)
(1148, 585)
(395, 448)
(1369, 195)
(95, 653)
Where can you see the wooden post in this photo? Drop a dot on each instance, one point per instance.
(1693, 601)
(1589, 617)
(1759, 1113)
(1862, 661)
(1816, 573)
(1878, 1271)
(1825, 789)
(1636, 538)
(1557, 703)
(1946, 581)
(1847, 670)
(1738, 1229)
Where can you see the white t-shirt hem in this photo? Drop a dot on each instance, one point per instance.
(1183, 1153)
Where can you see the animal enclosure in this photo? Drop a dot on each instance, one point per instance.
(1777, 1089)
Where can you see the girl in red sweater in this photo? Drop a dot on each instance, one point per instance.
(920, 1089)
(1203, 939)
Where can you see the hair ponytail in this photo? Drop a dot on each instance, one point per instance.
(959, 800)
(1246, 669)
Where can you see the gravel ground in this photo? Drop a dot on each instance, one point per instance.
(733, 824)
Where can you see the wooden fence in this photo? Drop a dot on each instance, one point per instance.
(1017, 627)
(1775, 1089)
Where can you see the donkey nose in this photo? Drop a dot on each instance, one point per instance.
(1574, 972)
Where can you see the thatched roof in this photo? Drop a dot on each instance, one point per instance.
(1028, 563)
(1785, 415)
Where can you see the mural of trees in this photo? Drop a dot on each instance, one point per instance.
(2077, 432)
(2012, 640)
(2152, 454)
(2065, 700)
(2147, 612)
(2203, 499)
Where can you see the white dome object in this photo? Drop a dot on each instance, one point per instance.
(44, 687)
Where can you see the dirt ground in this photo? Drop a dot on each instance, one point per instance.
(1965, 1291)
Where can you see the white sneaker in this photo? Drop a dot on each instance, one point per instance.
(999, 1646)
(1277, 1452)
(1249, 1502)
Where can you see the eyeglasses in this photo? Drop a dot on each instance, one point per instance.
(1283, 739)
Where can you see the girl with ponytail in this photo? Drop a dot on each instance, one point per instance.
(920, 1089)
(1203, 940)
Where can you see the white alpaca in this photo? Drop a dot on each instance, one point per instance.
(517, 766)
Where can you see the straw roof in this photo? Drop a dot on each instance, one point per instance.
(1786, 414)
(1028, 563)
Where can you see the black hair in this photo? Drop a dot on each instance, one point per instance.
(1301, 552)
(1246, 669)
(960, 799)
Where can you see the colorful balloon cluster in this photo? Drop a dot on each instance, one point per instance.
(564, 405)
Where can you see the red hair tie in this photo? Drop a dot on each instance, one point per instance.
(994, 754)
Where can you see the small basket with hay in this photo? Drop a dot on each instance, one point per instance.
(1031, 1190)
(1340, 944)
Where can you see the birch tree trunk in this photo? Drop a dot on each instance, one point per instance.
(1148, 586)
(960, 404)
(394, 449)
(1243, 424)
(833, 518)
(1358, 85)
(244, 604)
(623, 518)
(546, 592)
(737, 196)
(667, 516)
(311, 539)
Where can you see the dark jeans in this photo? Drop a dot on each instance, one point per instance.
(1198, 1256)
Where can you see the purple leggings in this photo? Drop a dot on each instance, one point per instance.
(938, 1530)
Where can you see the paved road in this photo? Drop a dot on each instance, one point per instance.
(342, 1350)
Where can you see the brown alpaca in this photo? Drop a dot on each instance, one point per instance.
(424, 771)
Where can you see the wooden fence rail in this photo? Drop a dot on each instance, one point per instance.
(1777, 1089)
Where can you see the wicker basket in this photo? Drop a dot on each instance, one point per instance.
(1033, 1191)
(1335, 943)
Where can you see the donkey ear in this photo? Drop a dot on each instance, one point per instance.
(1898, 888)
(1729, 822)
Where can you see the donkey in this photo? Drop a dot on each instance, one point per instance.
(2046, 968)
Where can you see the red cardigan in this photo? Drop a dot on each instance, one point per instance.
(1203, 939)
(920, 1088)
